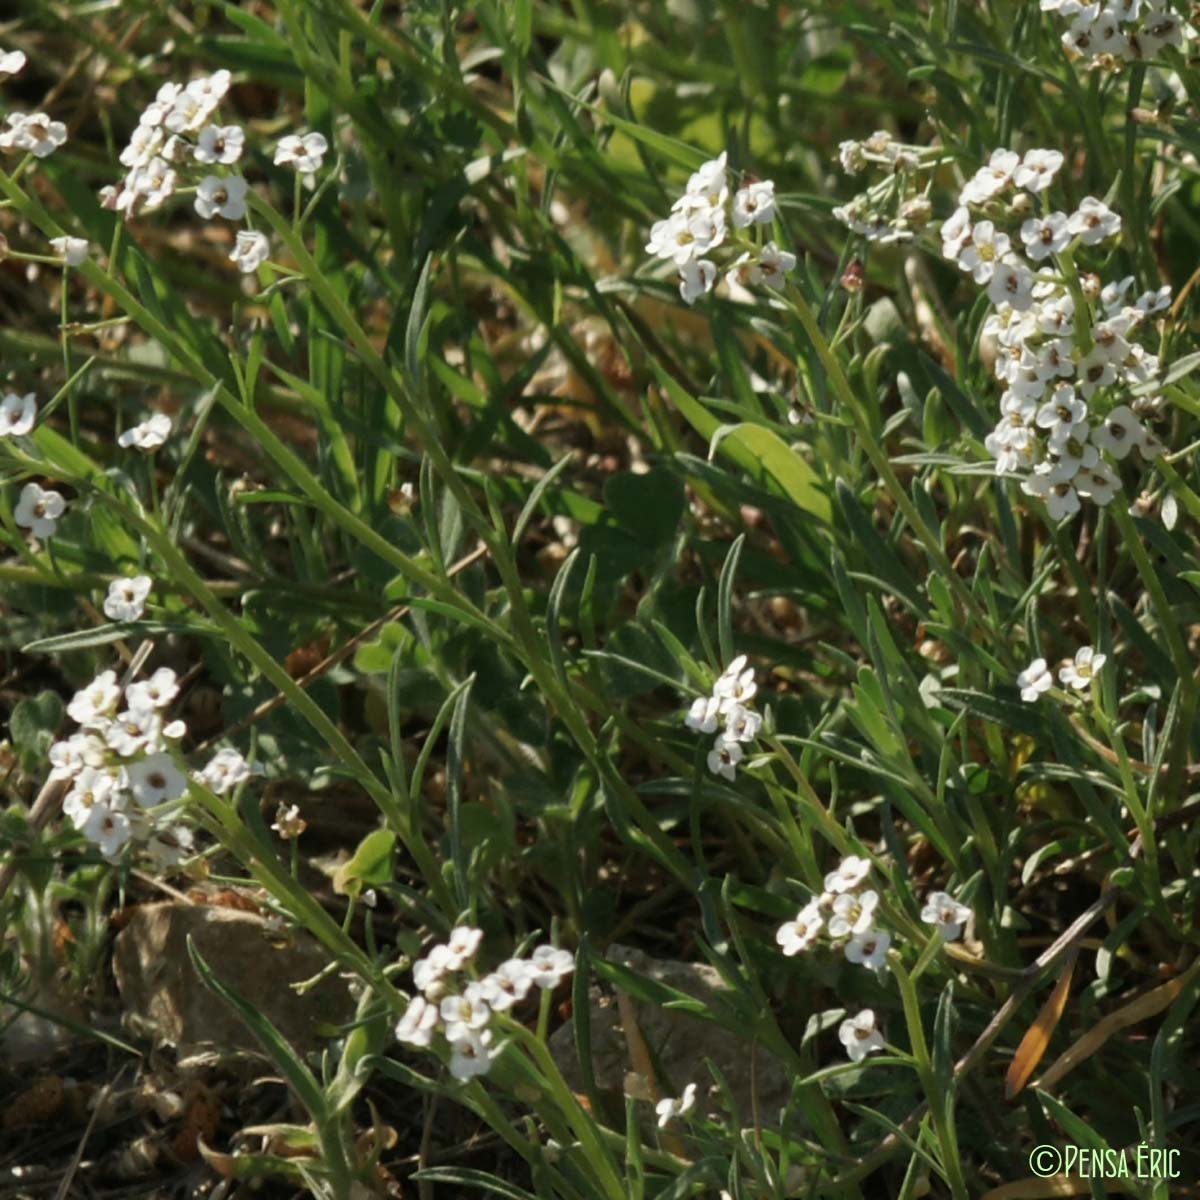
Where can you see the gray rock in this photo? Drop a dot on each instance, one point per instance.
(166, 1000)
(678, 1042)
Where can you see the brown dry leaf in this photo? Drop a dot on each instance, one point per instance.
(1146, 1005)
(201, 1116)
(1037, 1036)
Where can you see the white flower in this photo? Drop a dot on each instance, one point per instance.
(428, 972)
(704, 715)
(108, 828)
(462, 946)
(250, 250)
(1063, 411)
(1011, 283)
(92, 786)
(72, 250)
(1154, 301)
(987, 247)
(754, 204)
(470, 1055)
(991, 180)
(133, 731)
(465, 1013)
(38, 510)
(96, 702)
(1093, 221)
(696, 278)
(223, 196)
(551, 965)
(156, 692)
(956, 232)
(507, 984)
(668, 1110)
(706, 187)
(17, 414)
(742, 725)
(853, 914)
(850, 872)
(1034, 680)
(1098, 482)
(417, 1025)
(1120, 432)
(1053, 483)
(305, 152)
(736, 684)
(869, 948)
(225, 770)
(149, 435)
(946, 913)
(1044, 236)
(126, 599)
(859, 1035)
(1080, 673)
(1037, 170)
(219, 144)
(772, 267)
(69, 757)
(34, 132)
(12, 62)
(724, 757)
(154, 780)
(801, 933)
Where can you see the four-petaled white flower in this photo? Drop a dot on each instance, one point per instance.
(222, 196)
(17, 414)
(154, 780)
(853, 914)
(869, 948)
(550, 965)
(942, 910)
(462, 946)
(1035, 680)
(724, 757)
(860, 1035)
(850, 872)
(507, 984)
(304, 152)
(33, 132)
(126, 599)
(250, 250)
(1080, 673)
(419, 1022)
(221, 144)
(12, 62)
(226, 769)
(148, 435)
(39, 509)
(802, 932)
(470, 1054)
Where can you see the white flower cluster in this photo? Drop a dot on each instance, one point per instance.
(1079, 673)
(460, 1010)
(173, 133)
(705, 218)
(728, 706)
(179, 141)
(1065, 344)
(121, 763)
(897, 207)
(1105, 34)
(847, 916)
